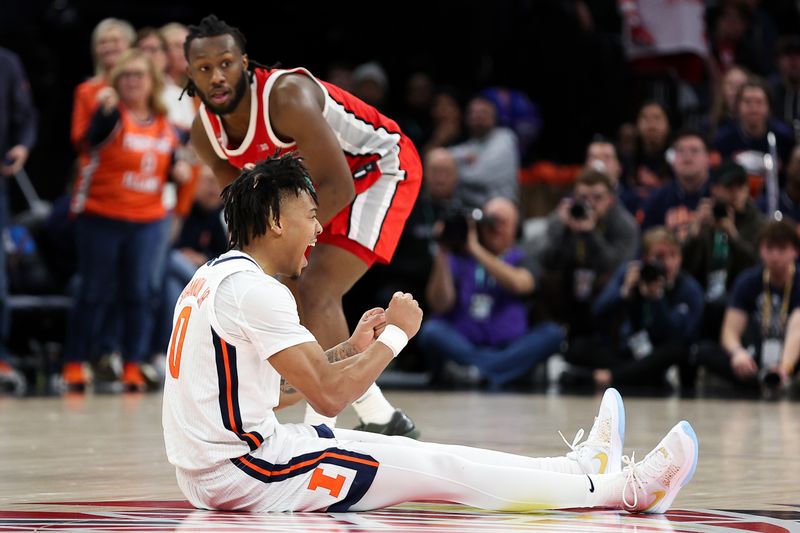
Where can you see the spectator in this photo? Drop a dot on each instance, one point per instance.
(760, 339)
(117, 201)
(110, 39)
(786, 84)
(371, 84)
(18, 129)
(721, 242)
(415, 118)
(516, 111)
(446, 128)
(661, 309)
(724, 104)
(673, 205)
(174, 34)
(588, 237)
(601, 155)
(646, 168)
(488, 162)
(441, 180)
(748, 136)
(730, 44)
(203, 234)
(480, 317)
(789, 199)
(181, 110)
(150, 42)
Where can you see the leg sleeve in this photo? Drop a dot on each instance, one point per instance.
(470, 476)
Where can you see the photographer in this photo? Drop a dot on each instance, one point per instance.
(673, 205)
(588, 237)
(760, 340)
(476, 292)
(661, 308)
(721, 240)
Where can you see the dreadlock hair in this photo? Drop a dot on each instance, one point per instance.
(255, 196)
(211, 26)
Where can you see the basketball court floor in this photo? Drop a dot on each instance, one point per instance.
(97, 463)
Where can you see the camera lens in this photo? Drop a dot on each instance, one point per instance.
(652, 271)
(771, 380)
(720, 210)
(578, 211)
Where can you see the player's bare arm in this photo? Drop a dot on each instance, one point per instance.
(290, 395)
(329, 387)
(295, 110)
(224, 171)
(370, 326)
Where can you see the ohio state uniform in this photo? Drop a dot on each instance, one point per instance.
(385, 165)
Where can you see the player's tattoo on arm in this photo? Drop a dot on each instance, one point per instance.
(286, 387)
(337, 353)
(340, 352)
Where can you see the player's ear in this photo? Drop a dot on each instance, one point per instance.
(275, 226)
(245, 61)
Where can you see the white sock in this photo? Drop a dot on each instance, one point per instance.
(565, 465)
(314, 418)
(609, 490)
(373, 408)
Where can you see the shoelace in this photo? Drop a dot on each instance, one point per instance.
(575, 446)
(637, 473)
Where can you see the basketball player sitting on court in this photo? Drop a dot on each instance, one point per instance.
(237, 335)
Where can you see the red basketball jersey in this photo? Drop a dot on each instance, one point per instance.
(384, 163)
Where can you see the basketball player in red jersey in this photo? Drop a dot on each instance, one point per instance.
(366, 171)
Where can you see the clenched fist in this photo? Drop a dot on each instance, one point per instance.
(404, 312)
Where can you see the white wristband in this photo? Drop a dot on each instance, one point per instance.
(393, 337)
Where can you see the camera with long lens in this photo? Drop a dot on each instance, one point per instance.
(770, 380)
(770, 384)
(652, 271)
(720, 210)
(455, 228)
(579, 210)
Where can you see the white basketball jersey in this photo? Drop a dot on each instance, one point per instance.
(220, 389)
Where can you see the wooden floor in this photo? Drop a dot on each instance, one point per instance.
(83, 451)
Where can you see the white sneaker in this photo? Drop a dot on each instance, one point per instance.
(654, 482)
(601, 452)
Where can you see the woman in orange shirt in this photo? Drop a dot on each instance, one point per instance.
(118, 208)
(110, 39)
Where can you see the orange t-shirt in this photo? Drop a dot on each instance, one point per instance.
(84, 105)
(123, 178)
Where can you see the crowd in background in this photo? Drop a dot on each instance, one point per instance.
(665, 257)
